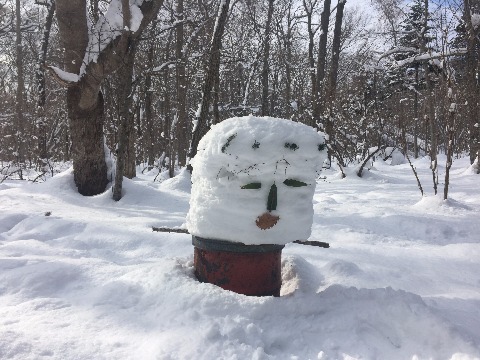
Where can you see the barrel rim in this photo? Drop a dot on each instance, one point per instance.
(229, 246)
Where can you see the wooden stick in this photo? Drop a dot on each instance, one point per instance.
(313, 243)
(185, 231)
(163, 229)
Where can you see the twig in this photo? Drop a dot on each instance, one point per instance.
(185, 231)
(313, 243)
(373, 153)
(163, 229)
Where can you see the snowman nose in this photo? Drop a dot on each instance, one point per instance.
(272, 198)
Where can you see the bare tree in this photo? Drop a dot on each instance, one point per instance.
(40, 77)
(321, 62)
(211, 75)
(84, 99)
(19, 98)
(181, 88)
(332, 78)
(473, 90)
(125, 103)
(266, 54)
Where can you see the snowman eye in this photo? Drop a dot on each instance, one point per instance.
(254, 185)
(294, 183)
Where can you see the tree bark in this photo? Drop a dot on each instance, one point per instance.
(473, 93)
(181, 88)
(332, 79)
(311, 61)
(19, 98)
(149, 111)
(40, 78)
(430, 102)
(84, 100)
(337, 33)
(321, 62)
(265, 111)
(212, 73)
(86, 131)
(125, 129)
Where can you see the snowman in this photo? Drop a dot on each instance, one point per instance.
(253, 181)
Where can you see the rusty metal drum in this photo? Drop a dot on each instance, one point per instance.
(253, 270)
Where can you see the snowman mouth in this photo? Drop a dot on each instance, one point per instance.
(266, 221)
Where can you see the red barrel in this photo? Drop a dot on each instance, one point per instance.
(245, 269)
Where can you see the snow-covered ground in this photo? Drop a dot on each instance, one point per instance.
(92, 281)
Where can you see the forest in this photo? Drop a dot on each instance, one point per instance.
(137, 83)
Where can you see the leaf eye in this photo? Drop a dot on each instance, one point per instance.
(294, 183)
(254, 185)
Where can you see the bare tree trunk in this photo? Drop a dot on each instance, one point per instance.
(266, 54)
(86, 124)
(40, 77)
(337, 33)
(148, 110)
(321, 61)
(311, 61)
(86, 131)
(125, 129)
(181, 84)
(131, 154)
(473, 92)
(332, 79)
(430, 103)
(215, 105)
(288, 68)
(84, 99)
(19, 98)
(451, 137)
(416, 117)
(211, 74)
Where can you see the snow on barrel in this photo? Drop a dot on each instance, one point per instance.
(253, 181)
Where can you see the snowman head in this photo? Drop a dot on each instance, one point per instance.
(254, 180)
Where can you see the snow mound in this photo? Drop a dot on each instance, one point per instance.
(437, 203)
(181, 182)
(299, 275)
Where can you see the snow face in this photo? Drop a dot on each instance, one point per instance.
(254, 179)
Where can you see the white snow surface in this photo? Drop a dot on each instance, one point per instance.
(264, 151)
(64, 75)
(475, 20)
(92, 281)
